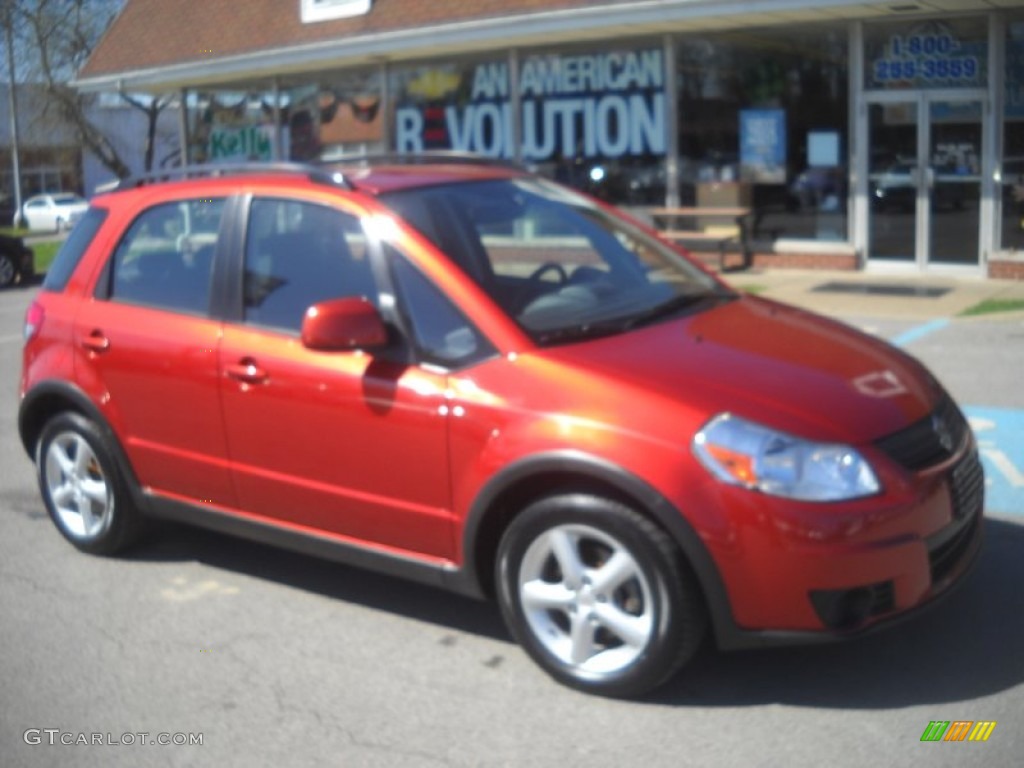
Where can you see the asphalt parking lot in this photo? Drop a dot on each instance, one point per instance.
(275, 659)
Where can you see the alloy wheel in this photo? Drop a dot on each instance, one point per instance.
(586, 599)
(80, 493)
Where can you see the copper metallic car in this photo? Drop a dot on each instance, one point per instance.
(467, 375)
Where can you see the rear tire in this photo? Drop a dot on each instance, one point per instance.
(83, 488)
(598, 595)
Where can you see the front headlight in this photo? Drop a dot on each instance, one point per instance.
(743, 453)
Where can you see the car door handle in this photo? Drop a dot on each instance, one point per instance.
(247, 371)
(96, 342)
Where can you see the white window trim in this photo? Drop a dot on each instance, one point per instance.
(323, 10)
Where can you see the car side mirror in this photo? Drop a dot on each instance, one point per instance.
(343, 324)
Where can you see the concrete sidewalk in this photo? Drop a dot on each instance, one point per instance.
(879, 295)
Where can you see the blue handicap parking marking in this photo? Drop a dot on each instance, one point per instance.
(1000, 433)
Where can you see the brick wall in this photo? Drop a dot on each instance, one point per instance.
(846, 262)
(1006, 269)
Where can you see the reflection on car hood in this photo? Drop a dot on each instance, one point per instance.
(754, 357)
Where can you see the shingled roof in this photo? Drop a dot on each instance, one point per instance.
(167, 44)
(152, 35)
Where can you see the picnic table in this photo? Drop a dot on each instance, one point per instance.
(707, 228)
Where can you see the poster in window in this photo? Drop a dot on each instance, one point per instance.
(763, 145)
(823, 149)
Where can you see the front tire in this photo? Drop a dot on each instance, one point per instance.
(82, 486)
(598, 595)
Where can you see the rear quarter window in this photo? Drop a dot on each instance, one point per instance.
(67, 258)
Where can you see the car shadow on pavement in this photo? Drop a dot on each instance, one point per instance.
(966, 646)
(173, 543)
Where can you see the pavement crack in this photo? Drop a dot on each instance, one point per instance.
(402, 752)
(32, 583)
(285, 707)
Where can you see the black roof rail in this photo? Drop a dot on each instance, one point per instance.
(435, 156)
(317, 173)
(324, 171)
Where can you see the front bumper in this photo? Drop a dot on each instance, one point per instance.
(798, 574)
(732, 638)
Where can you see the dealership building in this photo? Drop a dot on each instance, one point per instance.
(886, 136)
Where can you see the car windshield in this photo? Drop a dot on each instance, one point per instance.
(558, 264)
(67, 199)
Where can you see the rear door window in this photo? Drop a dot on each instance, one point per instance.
(165, 259)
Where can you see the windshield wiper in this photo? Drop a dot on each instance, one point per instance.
(579, 332)
(673, 306)
(611, 326)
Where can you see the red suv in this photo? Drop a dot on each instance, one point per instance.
(470, 376)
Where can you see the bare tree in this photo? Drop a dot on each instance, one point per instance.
(151, 108)
(62, 35)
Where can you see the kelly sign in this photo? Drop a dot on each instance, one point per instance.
(248, 142)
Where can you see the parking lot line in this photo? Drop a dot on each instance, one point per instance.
(919, 331)
(1000, 433)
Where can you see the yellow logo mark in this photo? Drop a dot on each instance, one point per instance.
(434, 84)
(982, 730)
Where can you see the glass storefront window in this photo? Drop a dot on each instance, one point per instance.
(43, 169)
(319, 114)
(231, 126)
(763, 122)
(333, 114)
(931, 54)
(459, 105)
(591, 117)
(1012, 229)
(594, 118)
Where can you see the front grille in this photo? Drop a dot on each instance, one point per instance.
(883, 597)
(967, 494)
(929, 441)
(968, 488)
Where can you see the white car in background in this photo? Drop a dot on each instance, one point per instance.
(53, 211)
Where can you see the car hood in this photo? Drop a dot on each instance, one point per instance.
(769, 362)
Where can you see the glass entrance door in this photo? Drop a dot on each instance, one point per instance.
(893, 183)
(954, 181)
(924, 179)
